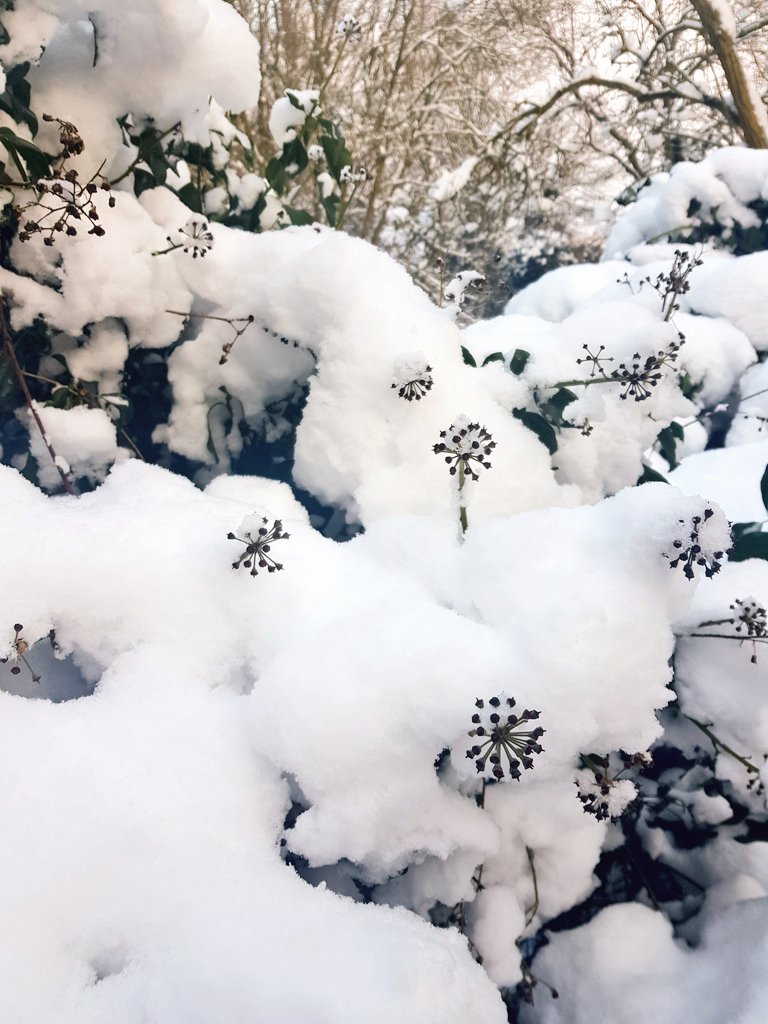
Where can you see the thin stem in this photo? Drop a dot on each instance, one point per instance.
(462, 507)
(731, 636)
(584, 383)
(345, 208)
(531, 913)
(8, 345)
(719, 745)
(92, 401)
(162, 252)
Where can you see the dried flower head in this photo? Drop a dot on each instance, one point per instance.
(69, 137)
(603, 796)
(195, 237)
(258, 541)
(500, 736)
(692, 548)
(20, 647)
(595, 359)
(348, 27)
(676, 283)
(749, 617)
(466, 444)
(413, 379)
(638, 378)
(60, 203)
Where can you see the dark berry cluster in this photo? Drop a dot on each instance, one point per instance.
(639, 377)
(415, 383)
(499, 736)
(467, 445)
(676, 283)
(71, 141)
(258, 546)
(749, 616)
(602, 794)
(61, 202)
(691, 552)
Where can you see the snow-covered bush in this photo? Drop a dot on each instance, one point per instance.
(253, 772)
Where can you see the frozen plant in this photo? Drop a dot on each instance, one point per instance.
(413, 379)
(596, 359)
(355, 175)
(499, 735)
(195, 237)
(638, 378)
(258, 541)
(692, 547)
(20, 647)
(455, 293)
(348, 27)
(466, 450)
(61, 200)
(676, 283)
(749, 615)
(603, 796)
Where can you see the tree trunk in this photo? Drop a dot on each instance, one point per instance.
(751, 114)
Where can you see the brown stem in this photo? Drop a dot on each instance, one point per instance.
(10, 351)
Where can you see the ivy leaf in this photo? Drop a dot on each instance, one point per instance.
(519, 361)
(16, 98)
(30, 160)
(494, 357)
(650, 476)
(554, 407)
(293, 99)
(668, 438)
(299, 216)
(336, 154)
(189, 195)
(467, 356)
(330, 205)
(543, 430)
(764, 488)
(750, 545)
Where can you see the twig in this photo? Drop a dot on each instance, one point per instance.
(10, 351)
(532, 911)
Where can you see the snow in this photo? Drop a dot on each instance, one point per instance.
(245, 795)
(730, 476)
(289, 112)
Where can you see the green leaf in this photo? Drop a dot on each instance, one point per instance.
(37, 163)
(650, 476)
(330, 205)
(554, 407)
(336, 154)
(543, 430)
(276, 175)
(751, 545)
(293, 99)
(764, 488)
(494, 357)
(467, 356)
(299, 216)
(16, 98)
(191, 197)
(667, 439)
(519, 361)
(142, 180)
